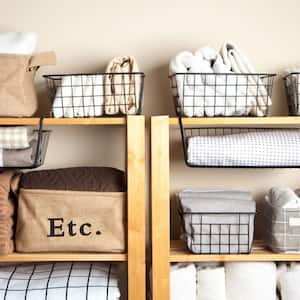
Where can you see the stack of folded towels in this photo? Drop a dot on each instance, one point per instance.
(116, 92)
(7, 211)
(17, 146)
(231, 281)
(207, 83)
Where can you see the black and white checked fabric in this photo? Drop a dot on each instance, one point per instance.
(58, 281)
(280, 147)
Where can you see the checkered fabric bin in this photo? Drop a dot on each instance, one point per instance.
(59, 281)
(282, 228)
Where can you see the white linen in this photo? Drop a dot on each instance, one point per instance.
(257, 148)
(59, 281)
(23, 43)
(283, 197)
(183, 282)
(289, 285)
(15, 137)
(239, 63)
(79, 96)
(211, 284)
(250, 280)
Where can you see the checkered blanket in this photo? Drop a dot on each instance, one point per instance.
(14, 137)
(57, 281)
(258, 148)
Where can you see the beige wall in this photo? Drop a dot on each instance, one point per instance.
(86, 34)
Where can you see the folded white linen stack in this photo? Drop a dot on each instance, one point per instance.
(183, 282)
(23, 43)
(211, 283)
(208, 83)
(239, 63)
(250, 280)
(79, 96)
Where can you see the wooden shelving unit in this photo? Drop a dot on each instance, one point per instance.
(136, 230)
(165, 251)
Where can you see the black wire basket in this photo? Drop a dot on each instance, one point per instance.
(218, 232)
(35, 155)
(222, 94)
(292, 87)
(95, 94)
(264, 147)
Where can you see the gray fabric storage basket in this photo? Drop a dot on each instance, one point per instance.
(217, 222)
(282, 228)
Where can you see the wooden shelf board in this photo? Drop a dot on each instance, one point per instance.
(64, 121)
(46, 257)
(240, 121)
(179, 253)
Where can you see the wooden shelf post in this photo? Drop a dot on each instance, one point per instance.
(136, 207)
(160, 207)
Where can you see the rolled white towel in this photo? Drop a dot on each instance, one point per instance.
(281, 269)
(183, 282)
(211, 284)
(23, 43)
(250, 280)
(283, 197)
(289, 285)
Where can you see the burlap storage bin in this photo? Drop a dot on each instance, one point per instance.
(17, 91)
(62, 221)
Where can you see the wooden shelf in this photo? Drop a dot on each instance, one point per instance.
(46, 257)
(240, 121)
(64, 121)
(179, 253)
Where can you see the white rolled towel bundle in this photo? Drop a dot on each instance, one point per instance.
(211, 283)
(183, 282)
(251, 280)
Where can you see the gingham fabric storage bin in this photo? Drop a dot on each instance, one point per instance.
(282, 228)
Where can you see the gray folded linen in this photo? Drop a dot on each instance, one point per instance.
(20, 157)
(217, 221)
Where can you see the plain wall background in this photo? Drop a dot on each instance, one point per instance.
(87, 34)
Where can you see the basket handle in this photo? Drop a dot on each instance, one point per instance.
(42, 59)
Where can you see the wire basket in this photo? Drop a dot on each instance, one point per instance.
(232, 147)
(222, 94)
(35, 155)
(95, 94)
(218, 232)
(292, 87)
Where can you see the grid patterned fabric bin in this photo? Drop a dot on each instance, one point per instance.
(217, 229)
(224, 94)
(282, 228)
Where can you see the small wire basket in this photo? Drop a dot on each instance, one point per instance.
(292, 87)
(218, 232)
(95, 94)
(222, 94)
(35, 155)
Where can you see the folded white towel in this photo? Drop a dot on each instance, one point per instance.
(239, 63)
(211, 284)
(289, 285)
(18, 42)
(183, 282)
(17, 137)
(250, 280)
(79, 96)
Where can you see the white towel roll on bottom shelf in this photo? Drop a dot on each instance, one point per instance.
(250, 280)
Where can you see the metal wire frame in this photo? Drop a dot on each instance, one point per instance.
(41, 149)
(222, 229)
(292, 88)
(98, 88)
(222, 94)
(187, 132)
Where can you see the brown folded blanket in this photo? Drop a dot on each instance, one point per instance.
(7, 247)
(89, 179)
(7, 210)
(20, 157)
